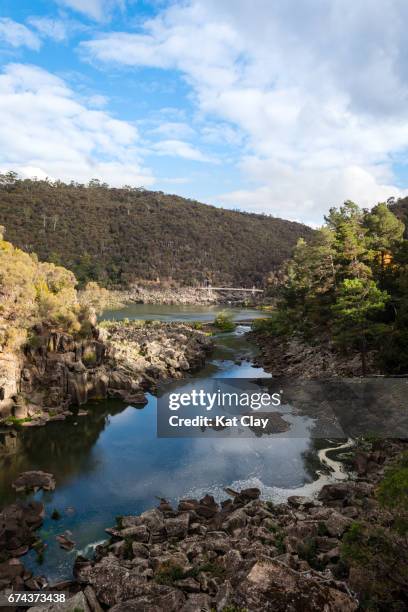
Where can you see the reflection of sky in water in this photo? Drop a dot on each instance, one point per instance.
(112, 463)
(129, 468)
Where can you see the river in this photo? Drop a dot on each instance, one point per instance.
(111, 463)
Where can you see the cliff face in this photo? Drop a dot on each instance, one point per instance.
(121, 361)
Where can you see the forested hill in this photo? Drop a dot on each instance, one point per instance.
(400, 209)
(116, 236)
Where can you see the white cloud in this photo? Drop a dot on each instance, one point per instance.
(307, 193)
(173, 129)
(50, 28)
(46, 130)
(317, 91)
(99, 10)
(180, 148)
(18, 35)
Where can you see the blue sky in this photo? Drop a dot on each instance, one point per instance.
(281, 107)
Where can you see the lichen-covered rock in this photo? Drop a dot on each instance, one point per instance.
(75, 603)
(119, 361)
(272, 586)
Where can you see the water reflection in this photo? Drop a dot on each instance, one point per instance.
(112, 463)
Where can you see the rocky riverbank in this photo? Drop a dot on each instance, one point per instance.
(196, 296)
(246, 552)
(242, 554)
(294, 358)
(58, 371)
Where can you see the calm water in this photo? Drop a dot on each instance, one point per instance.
(164, 312)
(111, 463)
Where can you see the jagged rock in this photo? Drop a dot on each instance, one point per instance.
(138, 533)
(33, 481)
(153, 519)
(207, 507)
(189, 585)
(114, 583)
(91, 599)
(339, 491)
(186, 505)
(82, 568)
(197, 602)
(299, 501)
(140, 551)
(11, 573)
(224, 596)
(177, 527)
(75, 603)
(64, 541)
(235, 520)
(17, 524)
(63, 371)
(337, 524)
(153, 598)
(271, 586)
(131, 521)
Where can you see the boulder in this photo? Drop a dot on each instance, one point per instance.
(76, 602)
(334, 492)
(114, 583)
(197, 602)
(153, 598)
(64, 541)
(337, 524)
(207, 507)
(153, 519)
(271, 586)
(177, 527)
(138, 533)
(235, 520)
(33, 481)
(300, 501)
(17, 523)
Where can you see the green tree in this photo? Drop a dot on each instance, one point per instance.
(357, 303)
(384, 232)
(351, 246)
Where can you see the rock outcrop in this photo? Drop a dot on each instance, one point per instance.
(203, 555)
(120, 360)
(34, 481)
(18, 523)
(296, 359)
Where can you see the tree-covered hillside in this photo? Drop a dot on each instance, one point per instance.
(116, 236)
(400, 209)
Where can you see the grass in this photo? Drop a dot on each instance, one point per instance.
(168, 573)
(11, 420)
(197, 325)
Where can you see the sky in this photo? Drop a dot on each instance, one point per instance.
(282, 107)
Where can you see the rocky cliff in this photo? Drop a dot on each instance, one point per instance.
(57, 370)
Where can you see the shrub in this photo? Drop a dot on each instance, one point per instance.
(223, 321)
(393, 493)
